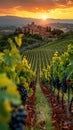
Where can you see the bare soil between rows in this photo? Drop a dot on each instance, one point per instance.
(59, 115)
(31, 112)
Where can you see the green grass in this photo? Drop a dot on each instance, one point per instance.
(43, 109)
(57, 43)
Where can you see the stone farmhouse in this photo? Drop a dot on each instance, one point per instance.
(37, 29)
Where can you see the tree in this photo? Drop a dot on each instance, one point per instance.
(57, 32)
(48, 29)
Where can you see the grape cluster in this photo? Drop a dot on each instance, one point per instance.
(64, 85)
(57, 83)
(23, 93)
(18, 118)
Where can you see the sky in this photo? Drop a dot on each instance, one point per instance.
(58, 9)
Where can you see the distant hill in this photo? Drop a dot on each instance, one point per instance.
(16, 21)
(19, 21)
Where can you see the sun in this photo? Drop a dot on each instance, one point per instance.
(44, 17)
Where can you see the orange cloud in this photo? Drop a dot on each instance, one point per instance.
(37, 8)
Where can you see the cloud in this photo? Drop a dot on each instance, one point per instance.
(36, 8)
(34, 5)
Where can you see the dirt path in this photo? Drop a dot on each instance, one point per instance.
(59, 116)
(43, 111)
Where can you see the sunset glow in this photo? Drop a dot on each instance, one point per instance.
(62, 9)
(44, 17)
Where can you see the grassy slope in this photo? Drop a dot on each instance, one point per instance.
(57, 44)
(41, 56)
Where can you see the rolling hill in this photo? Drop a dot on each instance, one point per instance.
(20, 21)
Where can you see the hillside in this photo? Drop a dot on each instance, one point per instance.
(35, 93)
(41, 56)
(20, 21)
(15, 21)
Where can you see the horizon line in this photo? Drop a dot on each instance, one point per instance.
(33, 18)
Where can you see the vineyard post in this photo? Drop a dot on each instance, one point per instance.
(58, 95)
(68, 104)
(54, 90)
(51, 85)
(62, 100)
